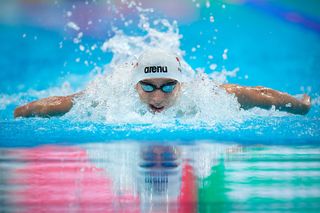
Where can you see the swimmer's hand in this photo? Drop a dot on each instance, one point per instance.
(265, 98)
(47, 107)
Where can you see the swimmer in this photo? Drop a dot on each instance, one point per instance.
(158, 80)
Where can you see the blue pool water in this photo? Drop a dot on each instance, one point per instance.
(235, 166)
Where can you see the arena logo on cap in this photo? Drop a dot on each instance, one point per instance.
(154, 69)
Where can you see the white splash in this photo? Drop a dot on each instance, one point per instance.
(111, 96)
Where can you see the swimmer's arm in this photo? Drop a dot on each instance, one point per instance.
(265, 98)
(47, 107)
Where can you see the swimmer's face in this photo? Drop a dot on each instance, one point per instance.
(158, 100)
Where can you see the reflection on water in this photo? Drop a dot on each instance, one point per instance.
(144, 177)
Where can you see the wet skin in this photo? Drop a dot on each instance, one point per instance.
(157, 100)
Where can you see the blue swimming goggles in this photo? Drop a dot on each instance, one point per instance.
(166, 88)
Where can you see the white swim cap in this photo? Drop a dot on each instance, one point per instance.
(158, 63)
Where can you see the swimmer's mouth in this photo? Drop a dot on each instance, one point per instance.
(156, 109)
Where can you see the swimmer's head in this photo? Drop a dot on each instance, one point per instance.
(158, 63)
(158, 76)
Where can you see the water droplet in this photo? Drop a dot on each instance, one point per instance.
(73, 26)
(224, 55)
(208, 4)
(81, 47)
(69, 13)
(213, 66)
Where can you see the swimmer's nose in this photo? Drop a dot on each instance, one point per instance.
(157, 98)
